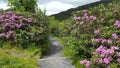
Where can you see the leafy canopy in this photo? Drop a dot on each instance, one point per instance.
(23, 5)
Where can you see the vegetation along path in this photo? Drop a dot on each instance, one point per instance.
(54, 57)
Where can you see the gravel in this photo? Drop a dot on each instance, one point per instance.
(54, 57)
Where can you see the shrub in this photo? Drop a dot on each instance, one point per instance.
(24, 29)
(92, 28)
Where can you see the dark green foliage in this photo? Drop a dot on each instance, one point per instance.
(78, 38)
(23, 5)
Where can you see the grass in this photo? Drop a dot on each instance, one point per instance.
(75, 59)
(14, 57)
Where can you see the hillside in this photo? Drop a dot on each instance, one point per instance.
(66, 14)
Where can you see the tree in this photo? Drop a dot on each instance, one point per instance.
(26, 5)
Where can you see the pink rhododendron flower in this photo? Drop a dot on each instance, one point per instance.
(99, 49)
(102, 19)
(2, 34)
(117, 23)
(91, 22)
(85, 14)
(7, 36)
(97, 40)
(118, 59)
(86, 17)
(76, 18)
(110, 59)
(118, 26)
(104, 40)
(94, 18)
(11, 32)
(6, 24)
(118, 54)
(96, 60)
(109, 41)
(15, 37)
(29, 20)
(83, 62)
(106, 60)
(88, 64)
(103, 54)
(20, 17)
(96, 32)
(84, 11)
(82, 22)
(101, 61)
(115, 36)
(110, 51)
(91, 17)
(114, 47)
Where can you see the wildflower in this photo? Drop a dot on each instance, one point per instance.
(76, 18)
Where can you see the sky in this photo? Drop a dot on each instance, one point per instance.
(54, 6)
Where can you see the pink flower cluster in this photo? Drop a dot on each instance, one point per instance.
(85, 18)
(97, 32)
(87, 63)
(102, 40)
(115, 36)
(10, 23)
(106, 55)
(117, 23)
(76, 18)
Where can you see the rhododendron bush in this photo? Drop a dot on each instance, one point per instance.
(97, 36)
(23, 29)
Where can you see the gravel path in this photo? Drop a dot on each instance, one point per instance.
(54, 57)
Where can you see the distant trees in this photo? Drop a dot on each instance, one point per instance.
(23, 5)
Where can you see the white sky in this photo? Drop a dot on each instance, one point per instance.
(54, 6)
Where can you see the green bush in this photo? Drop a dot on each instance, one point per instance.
(24, 29)
(83, 33)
